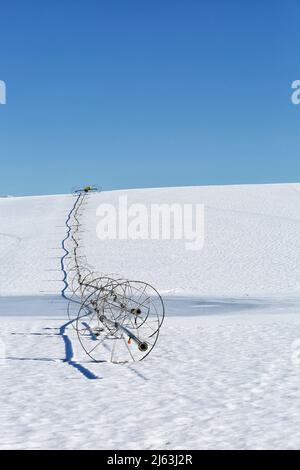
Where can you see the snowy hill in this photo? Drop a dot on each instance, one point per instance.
(225, 372)
(252, 243)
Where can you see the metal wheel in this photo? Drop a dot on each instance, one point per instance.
(120, 322)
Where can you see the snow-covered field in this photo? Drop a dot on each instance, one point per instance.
(226, 370)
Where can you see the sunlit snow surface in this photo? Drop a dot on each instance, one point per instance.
(226, 370)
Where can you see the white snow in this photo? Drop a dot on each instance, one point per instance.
(226, 370)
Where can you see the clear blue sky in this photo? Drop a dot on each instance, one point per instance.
(147, 93)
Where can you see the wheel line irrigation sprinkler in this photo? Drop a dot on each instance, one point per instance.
(116, 319)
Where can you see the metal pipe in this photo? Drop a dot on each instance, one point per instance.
(142, 345)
